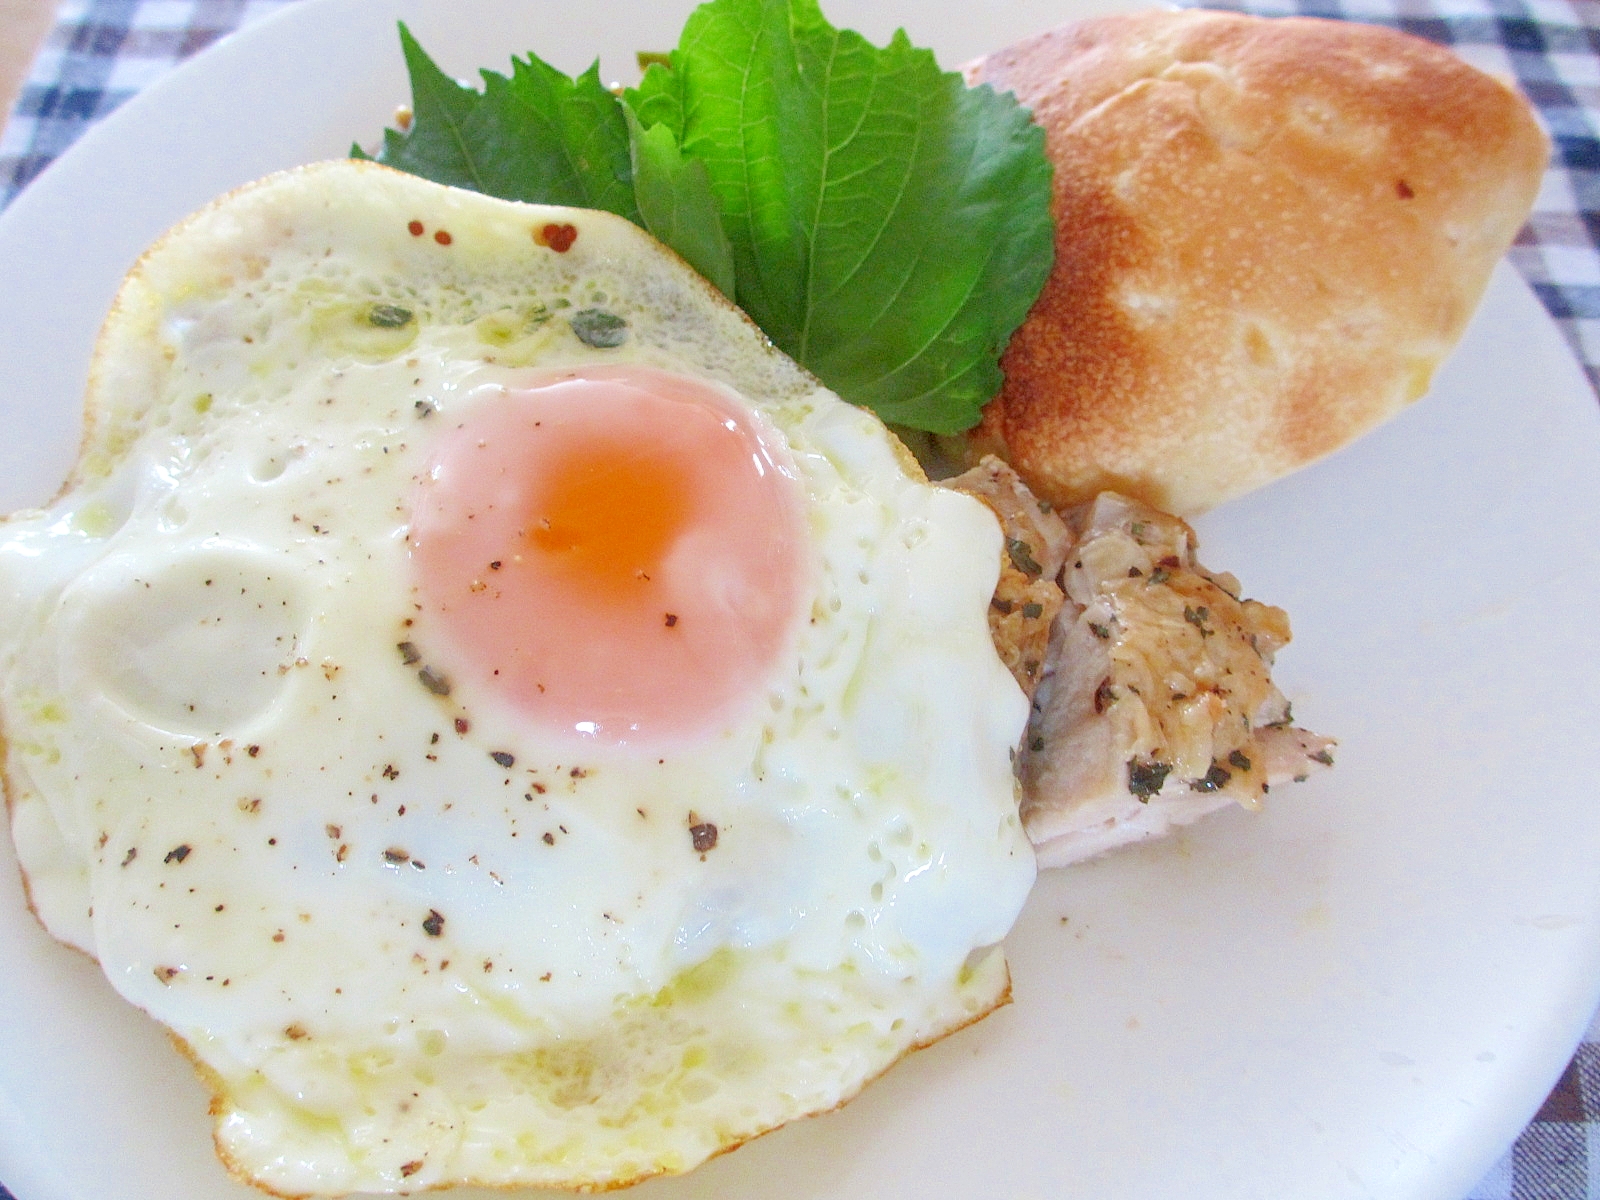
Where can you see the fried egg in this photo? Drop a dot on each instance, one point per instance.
(507, 721)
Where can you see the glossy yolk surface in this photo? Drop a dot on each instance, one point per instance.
(616, 551)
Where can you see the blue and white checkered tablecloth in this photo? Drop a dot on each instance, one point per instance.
(101, 52)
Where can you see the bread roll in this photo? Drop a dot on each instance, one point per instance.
(1270, 231)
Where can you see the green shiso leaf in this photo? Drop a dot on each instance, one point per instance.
(535, 135)
(885, 225)
(890, 226)
(677, 205)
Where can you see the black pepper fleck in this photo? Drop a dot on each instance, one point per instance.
(703, 835)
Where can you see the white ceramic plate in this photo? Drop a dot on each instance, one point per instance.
(1363, 992)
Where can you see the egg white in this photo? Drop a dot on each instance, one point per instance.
(409, 939)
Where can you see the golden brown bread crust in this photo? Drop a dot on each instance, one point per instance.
(1269, 233)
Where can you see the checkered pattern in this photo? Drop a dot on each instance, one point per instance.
(1557, 1157)
(103, 51)
(100, 53)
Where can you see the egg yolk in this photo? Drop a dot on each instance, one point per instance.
(615, 551)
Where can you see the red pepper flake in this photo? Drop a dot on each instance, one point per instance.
(558, 237)
(443, 237)
(407, 1170)
(416, 228)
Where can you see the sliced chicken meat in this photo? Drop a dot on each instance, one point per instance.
(1028, 595)
(1154, 702)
